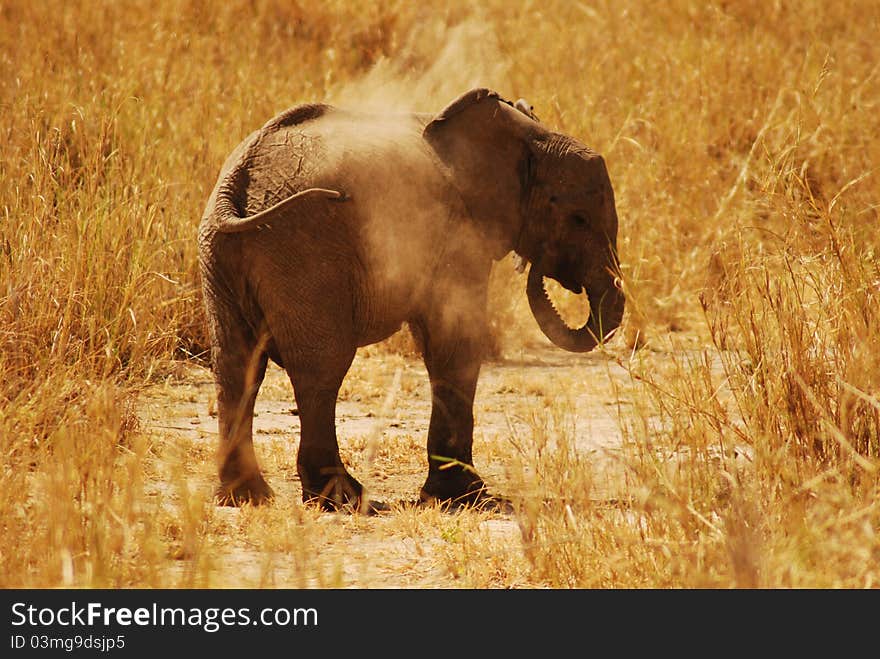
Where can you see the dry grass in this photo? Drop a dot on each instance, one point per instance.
(743, 141)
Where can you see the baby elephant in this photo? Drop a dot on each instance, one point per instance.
(329, 228)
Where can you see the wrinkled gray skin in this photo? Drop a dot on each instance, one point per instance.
(328, 229)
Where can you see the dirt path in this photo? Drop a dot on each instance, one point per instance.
(382, 418)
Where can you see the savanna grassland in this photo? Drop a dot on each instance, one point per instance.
(743, 142)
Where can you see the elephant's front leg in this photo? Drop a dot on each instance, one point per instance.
(453, 363)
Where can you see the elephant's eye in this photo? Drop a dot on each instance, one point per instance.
(578, 221)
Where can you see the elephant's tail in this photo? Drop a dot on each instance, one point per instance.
(229, 222)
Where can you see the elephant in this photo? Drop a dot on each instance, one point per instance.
(328, 229)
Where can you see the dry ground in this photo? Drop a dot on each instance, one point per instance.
(382, 420)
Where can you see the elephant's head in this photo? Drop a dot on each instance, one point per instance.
(544, 195)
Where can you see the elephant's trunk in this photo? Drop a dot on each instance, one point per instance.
(606, 312)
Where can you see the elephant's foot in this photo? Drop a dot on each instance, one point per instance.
(457, 487)
(339, 492)
(254, 490)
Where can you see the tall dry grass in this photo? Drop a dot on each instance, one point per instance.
(742, 140)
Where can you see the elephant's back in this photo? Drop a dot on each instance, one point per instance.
(296, 115)
(381, 163)
(319, 145)
(242, 184)
(279, 160)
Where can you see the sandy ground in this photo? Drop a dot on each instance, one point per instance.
(382, 418)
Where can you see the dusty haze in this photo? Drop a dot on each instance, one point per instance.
(737, 448)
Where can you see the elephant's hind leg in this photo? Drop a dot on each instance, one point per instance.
(316, 379)
(239, 363)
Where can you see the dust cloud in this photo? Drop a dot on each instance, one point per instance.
(409, 210)
(376, 157)
(436, 65)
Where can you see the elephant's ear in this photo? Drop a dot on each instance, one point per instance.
(487, 145)
(474, 102)
(459, 105)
